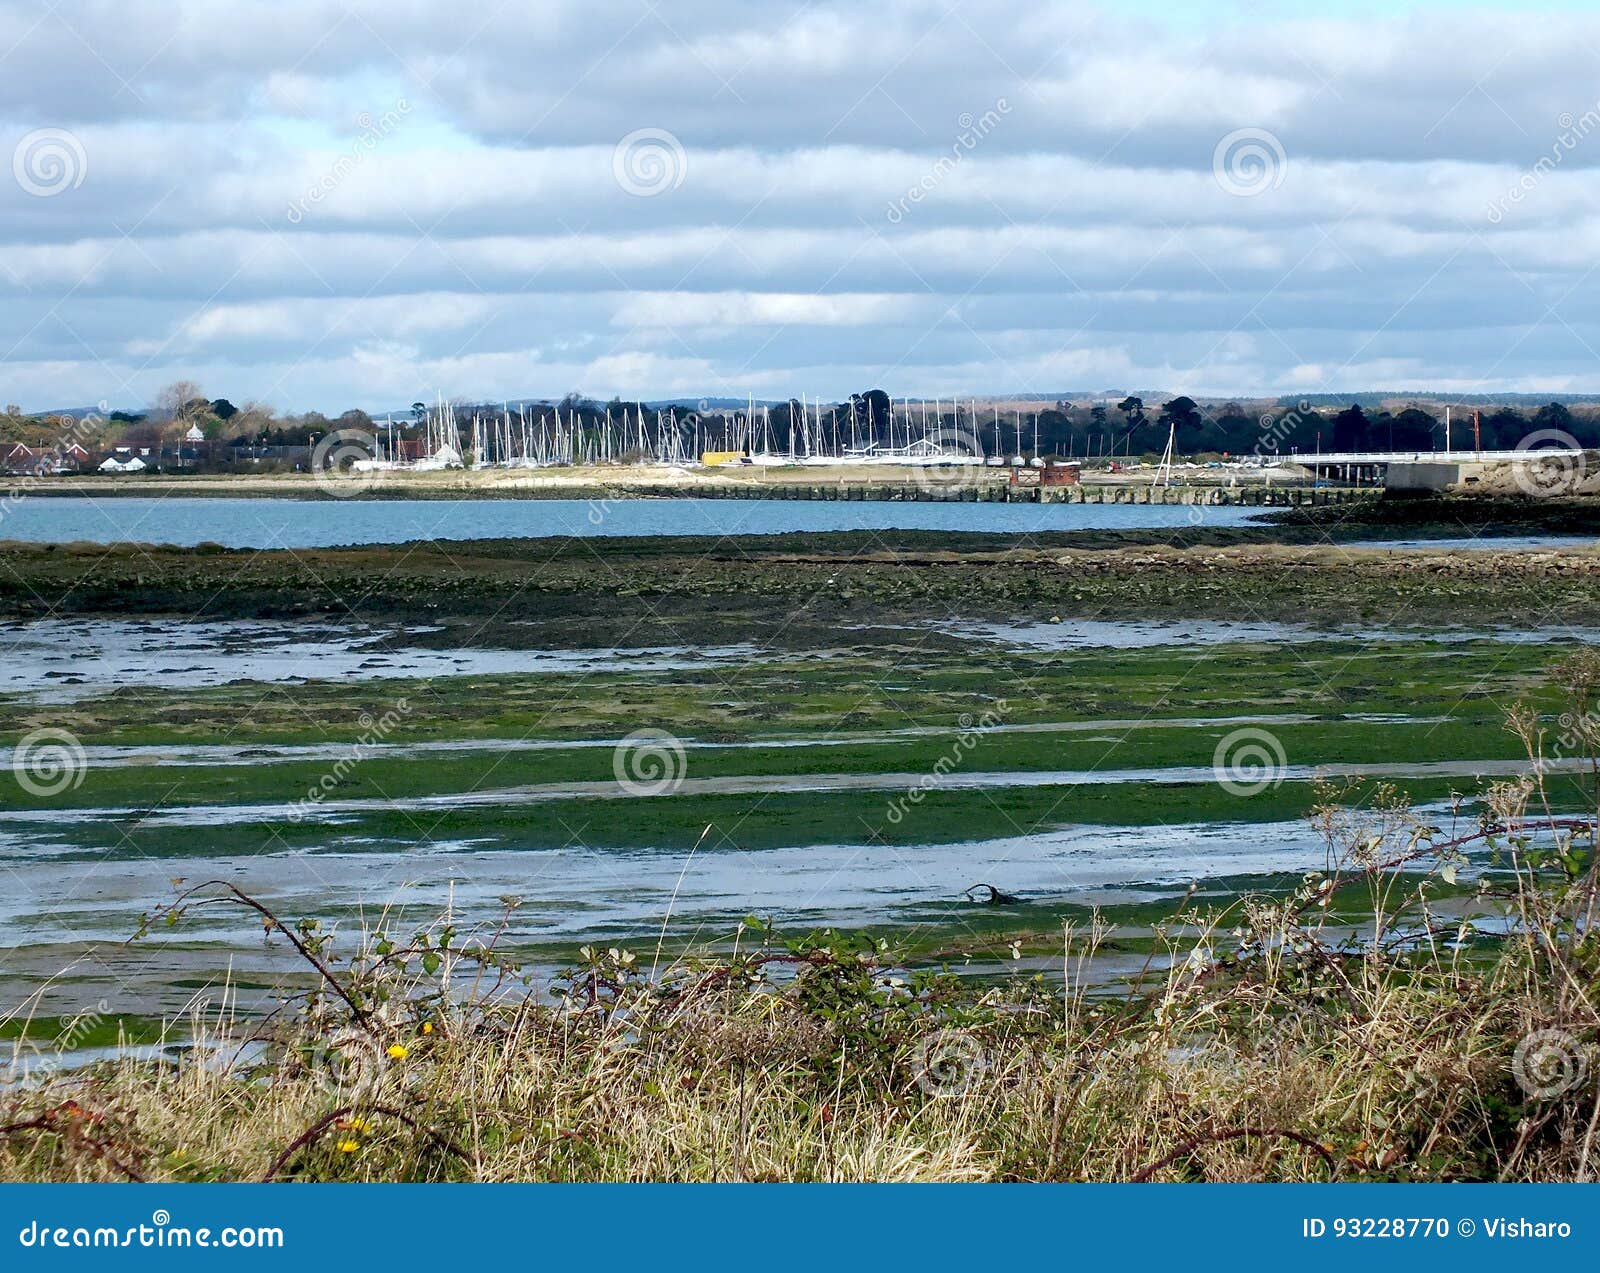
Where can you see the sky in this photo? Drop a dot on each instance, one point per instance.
(335, 203)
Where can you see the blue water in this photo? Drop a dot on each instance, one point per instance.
(282, 523)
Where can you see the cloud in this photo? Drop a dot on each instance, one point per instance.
(349, 202)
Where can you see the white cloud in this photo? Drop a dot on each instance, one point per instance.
(1082, 240)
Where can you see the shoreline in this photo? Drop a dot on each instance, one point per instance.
(801, 590)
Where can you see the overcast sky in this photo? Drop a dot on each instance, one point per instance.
(329, 203)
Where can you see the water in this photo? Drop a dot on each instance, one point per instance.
(1479, 543)
(65, 660)
(281, 523)
(60, 660)
(1115, 634)
(67, 921)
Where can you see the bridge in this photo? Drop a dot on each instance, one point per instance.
(1424, 470)
(1382, 458)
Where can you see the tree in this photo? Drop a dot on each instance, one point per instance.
(1553, 416)
(223, 409)
(178, 400)
(1352, 431)
(1414, 430)
(1503, 428)
(250, 422)
(872, 410)
(1133, 410)
(1181, 411)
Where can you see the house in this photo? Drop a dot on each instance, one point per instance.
(22, 459)
(44, 459)
(123, 460)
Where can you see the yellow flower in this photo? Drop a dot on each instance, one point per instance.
(427, 1027)
(349, 1146)
(399, 1051)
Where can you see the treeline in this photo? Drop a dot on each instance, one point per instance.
(1130, 427)
(1229, 429)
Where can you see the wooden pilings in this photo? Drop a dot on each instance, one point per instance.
(956, 492)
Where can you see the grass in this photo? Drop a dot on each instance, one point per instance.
(833, 691)
(402, 777)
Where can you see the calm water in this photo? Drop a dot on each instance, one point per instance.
(281, 523)
(66, 920)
